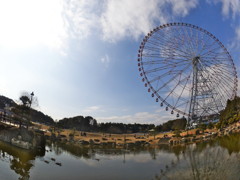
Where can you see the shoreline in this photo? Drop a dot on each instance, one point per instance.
(129, 140)
(140, 139)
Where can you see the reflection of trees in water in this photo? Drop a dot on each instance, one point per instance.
(54, 147)
(206, 161)
(21, 161)
(71, 148)
(231, 143)
(21, 167)
(90, 152)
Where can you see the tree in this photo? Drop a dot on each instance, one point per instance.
(210, 125)
(27, 100)
(230, 114)
(202, 126)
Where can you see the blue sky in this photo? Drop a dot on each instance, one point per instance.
(79, 56)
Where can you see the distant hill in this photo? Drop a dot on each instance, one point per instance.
(90, 124)
(37, 116)
(177, 124)
(79, 123)
(230, 114)
(6, 101)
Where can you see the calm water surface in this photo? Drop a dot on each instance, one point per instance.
(218, 159)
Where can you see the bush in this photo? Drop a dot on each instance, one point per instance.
(177, 133)
(71, 134)
(210, 125)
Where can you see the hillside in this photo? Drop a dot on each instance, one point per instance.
(171, 125)
(37, 116)
(79, 123)
(230, 114)
(6, 101)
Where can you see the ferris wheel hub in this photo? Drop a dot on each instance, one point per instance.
(196, 60)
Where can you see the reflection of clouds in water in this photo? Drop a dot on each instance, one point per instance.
(210, 163)
(89, 162)
(143, 157)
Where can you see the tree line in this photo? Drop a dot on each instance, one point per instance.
(90, 124)
(230, 114)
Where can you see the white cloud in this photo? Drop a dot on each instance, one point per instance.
(238, 33)
(91, 109)
(120, 19)
(29, 23)
(105, 60)
(182, 7)
(124, 18)
(234, 45)
(53, 23)
(229, 7)
(238, 92)
(157, 117)
(81, 17)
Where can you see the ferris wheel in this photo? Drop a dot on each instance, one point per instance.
(187, 70)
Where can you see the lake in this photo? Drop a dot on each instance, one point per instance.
(216, 159)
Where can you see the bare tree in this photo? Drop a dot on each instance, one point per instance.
(27, 101)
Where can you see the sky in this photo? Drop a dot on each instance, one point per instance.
(79, 57)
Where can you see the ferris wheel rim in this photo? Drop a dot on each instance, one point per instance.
(181, 24)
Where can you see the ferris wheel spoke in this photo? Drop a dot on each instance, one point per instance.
(224, 72)
(212, 52)
(190, 42)
(217, 58)
(180, 80)
(205, 45)
(170, 72)
(189, 45)
(173, 49)
(208, 46)
(156, 69)
(169, 48)
(221, 70)
(184, 105)
(173, 52)
(188, 77)
(152, 49)
(171, 79)
(170, 51)
(217, 64)
(218, 75)
(159, 56)
(226, 85)
(180, 33)
(220, 84)
(213, 61)
(173, 42)
(197, 40)
(163, 61)
(161, 68)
